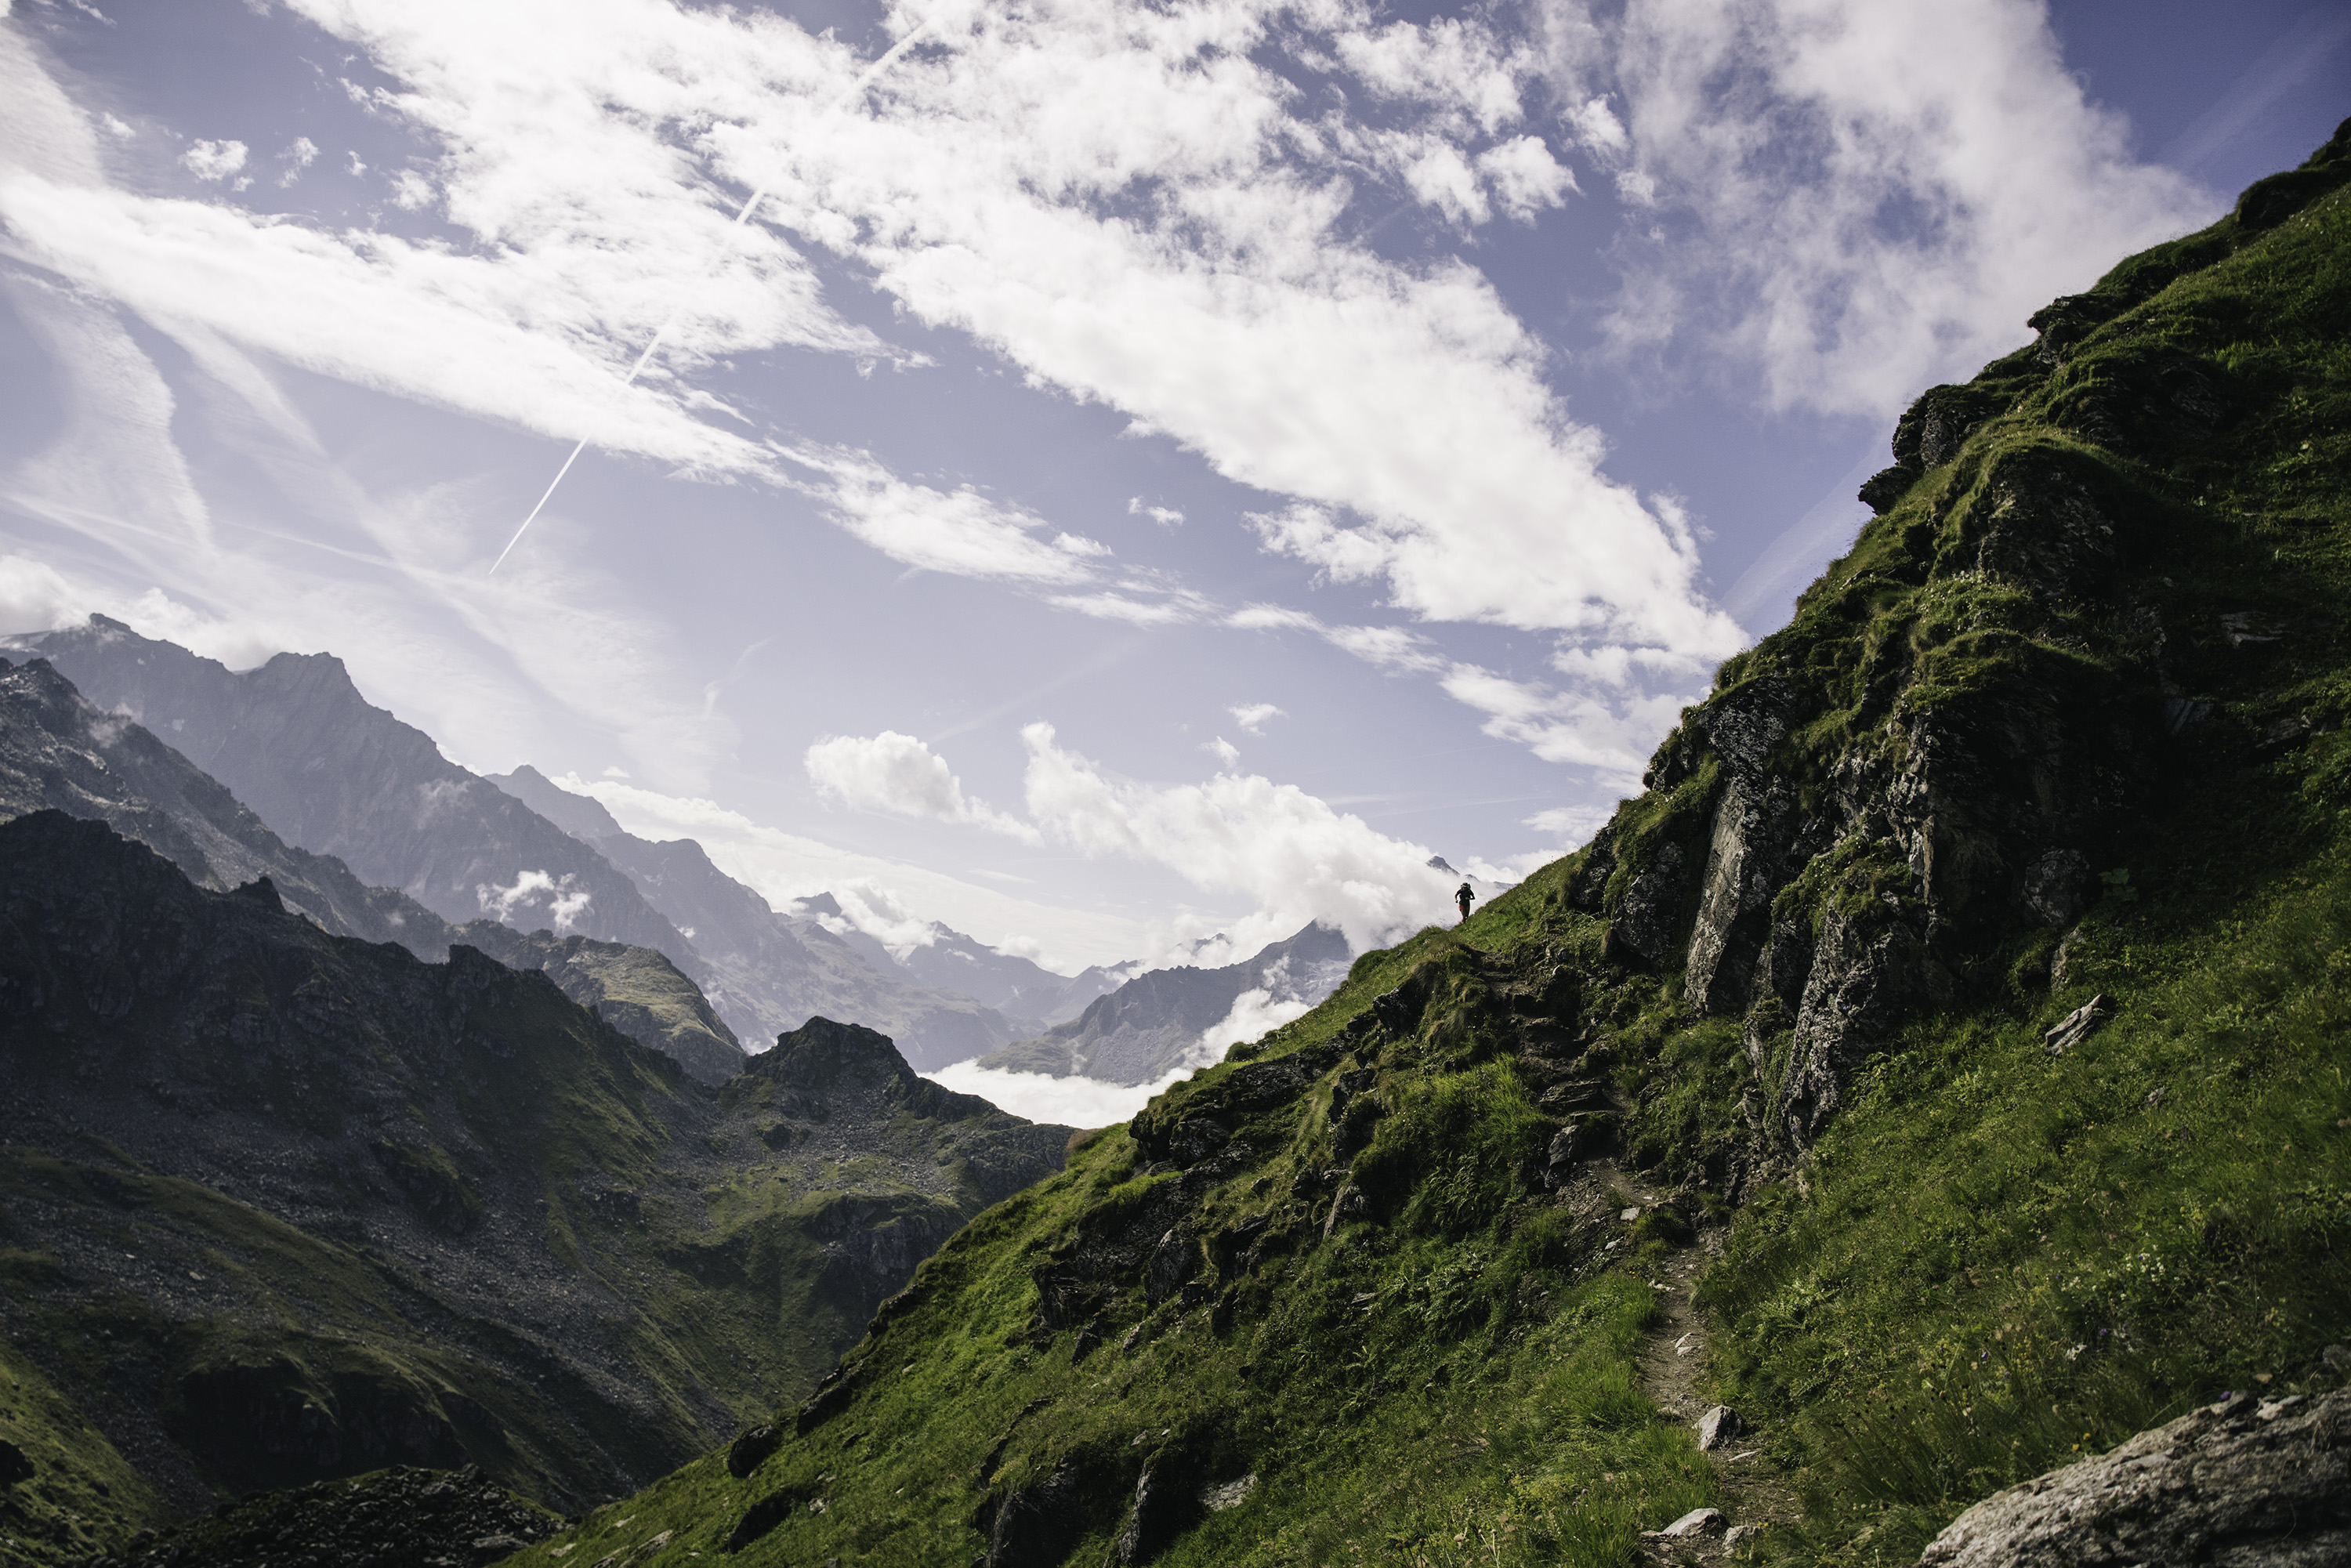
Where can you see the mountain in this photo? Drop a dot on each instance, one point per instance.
(328, 770)
(59, 751)
(1155, 1021)
(278, 1205)
(771, 972)
(1917, 1119)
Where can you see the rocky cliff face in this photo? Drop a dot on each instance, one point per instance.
(1883, 804)
(1151, 1023)
(281, 1205)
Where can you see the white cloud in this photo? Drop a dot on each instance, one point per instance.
(1165, 516)
(1291, 855)
(1254, 716)
(784, 868)
(1223, 751)
(959, 531)
(299, 154)
(897, 773)
(1065, 1102)
(1879, 195)
(564, 904)
(36, 596)
(213, 161)
(1572, 826)
(1255, 1013)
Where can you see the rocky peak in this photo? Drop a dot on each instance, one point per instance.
(822, 1055)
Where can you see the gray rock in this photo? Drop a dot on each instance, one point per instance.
(1560, 1159)
(1719, 1427)
(2337, 1358)
(1643, 931)
(1739, 1535)
(1868, 972)
(1747, 864)
(2231, 1485)
(2056, 888)
(2077, 1026)
(1163, 1506)
(1697, 1522)
(1229, 1494)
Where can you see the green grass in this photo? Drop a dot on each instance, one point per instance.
(1995, 1259)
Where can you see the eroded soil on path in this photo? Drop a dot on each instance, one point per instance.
(1752, 1491)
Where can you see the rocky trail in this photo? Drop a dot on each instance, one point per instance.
(1755, 1496)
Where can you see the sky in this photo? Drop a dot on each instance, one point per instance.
(1094, 473)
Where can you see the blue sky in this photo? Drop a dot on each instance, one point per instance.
(1142, 470)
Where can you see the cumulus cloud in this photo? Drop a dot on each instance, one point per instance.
(1165, 516)
(299, 154)
(1293, 856)
(1255, 1013)
(784, 868)
(1254, 716)
(213, 161)
(564, 904)
(897, 773)
(1876, 196)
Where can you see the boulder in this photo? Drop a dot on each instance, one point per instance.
(1697, 1522)
(2240, 1483)
(2077, 1026)
(1719, 1427)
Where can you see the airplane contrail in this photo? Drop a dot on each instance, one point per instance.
(865, 79)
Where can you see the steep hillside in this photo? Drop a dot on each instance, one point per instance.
(277, 1204)
(1153, 1023)
(1941, 1064)
(635, 989)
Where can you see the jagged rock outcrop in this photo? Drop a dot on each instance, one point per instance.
(2243, 1483)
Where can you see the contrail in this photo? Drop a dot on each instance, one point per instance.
(865, 79)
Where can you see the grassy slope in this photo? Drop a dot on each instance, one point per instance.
(1994, 1258)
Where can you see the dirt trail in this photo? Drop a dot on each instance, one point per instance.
(1752, 1491)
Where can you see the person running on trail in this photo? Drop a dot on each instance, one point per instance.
(1463, 898)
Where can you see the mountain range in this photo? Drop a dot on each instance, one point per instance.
(282, 1205)
(1161, 1018)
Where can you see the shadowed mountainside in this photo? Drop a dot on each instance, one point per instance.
(59, 751)
(277, 1204)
